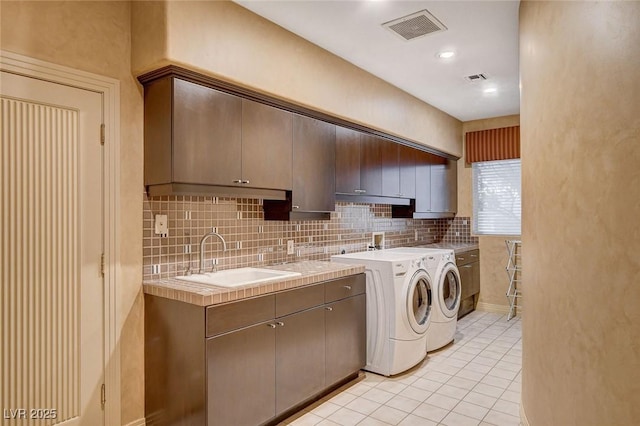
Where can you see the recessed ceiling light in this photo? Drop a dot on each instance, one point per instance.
(446, 54)
(490, 90)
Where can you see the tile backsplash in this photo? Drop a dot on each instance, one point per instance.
(252, 241)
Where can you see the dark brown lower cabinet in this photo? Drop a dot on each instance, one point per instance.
(300, 361)
(469, 266)
(239, 363)
(345, 324)
(253, 361)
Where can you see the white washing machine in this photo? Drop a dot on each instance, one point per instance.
(441, 265)
(399, 308)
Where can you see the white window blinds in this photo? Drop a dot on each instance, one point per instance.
(496, 197)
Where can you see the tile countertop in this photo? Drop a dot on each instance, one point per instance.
(456, 247)
(204, 295)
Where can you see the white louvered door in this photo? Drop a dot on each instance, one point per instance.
(51, 221)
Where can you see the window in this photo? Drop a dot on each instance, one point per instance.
(496, 197)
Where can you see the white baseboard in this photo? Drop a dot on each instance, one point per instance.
(139, 422)
(494, 309)
(523, 417)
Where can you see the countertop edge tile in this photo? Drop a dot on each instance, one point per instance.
(203, 295)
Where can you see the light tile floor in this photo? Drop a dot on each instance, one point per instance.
(476, 380)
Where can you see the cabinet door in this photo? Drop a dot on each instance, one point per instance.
(390, 169)
(241, 379)
(206, 135)
(267, 146)
(444, 186)
(475, 271)
(314, 162)
(370, 164)
(423, 181)
(466, 280)
(407, 164)
(347, 161)
(346, 346)
(300, 357)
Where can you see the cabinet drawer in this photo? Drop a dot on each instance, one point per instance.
(467, 257)
(291, 301)
(235, 315)
(344, 287)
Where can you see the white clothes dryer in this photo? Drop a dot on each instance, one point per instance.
(441, 265)
(399, 308)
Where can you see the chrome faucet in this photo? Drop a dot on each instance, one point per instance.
(203, 240)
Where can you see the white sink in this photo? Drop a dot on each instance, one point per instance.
(238, 277)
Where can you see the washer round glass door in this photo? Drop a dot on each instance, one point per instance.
(450, 290)
(419, 301)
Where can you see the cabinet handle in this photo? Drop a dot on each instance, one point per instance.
(360, 191)
(237, 181)
(460, 258)
(271, 325)
(329, 308)
(474, 255)
(467, 266)
(399, 194)
(280, 323)
(244, 181)
(295, 207)
(348, 287)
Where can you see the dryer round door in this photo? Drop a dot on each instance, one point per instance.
(450, 289)
(419, 301)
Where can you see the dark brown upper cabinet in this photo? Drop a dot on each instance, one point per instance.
(199, 140)
(314, 166)
(314, 159)
(208, 137)
(398, 170)
(347, 161)
(436, 186)
(358, 163)
(267, 148)
(371, 164)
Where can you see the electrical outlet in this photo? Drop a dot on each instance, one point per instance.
(187, 248)
(290, 248)
(155, 269)
(162, 227)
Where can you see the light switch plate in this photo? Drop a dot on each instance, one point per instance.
(290, 248)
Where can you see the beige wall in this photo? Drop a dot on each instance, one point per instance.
(493, 252)
(95, 37)
(226, 41)
(580, 123)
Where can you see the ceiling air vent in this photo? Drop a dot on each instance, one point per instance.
(416, 25)
(476, 77)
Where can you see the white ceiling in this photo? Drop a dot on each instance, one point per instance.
(483, 34)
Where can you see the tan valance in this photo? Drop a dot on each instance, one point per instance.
(492, 144)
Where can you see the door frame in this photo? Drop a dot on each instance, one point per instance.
(110, 90)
